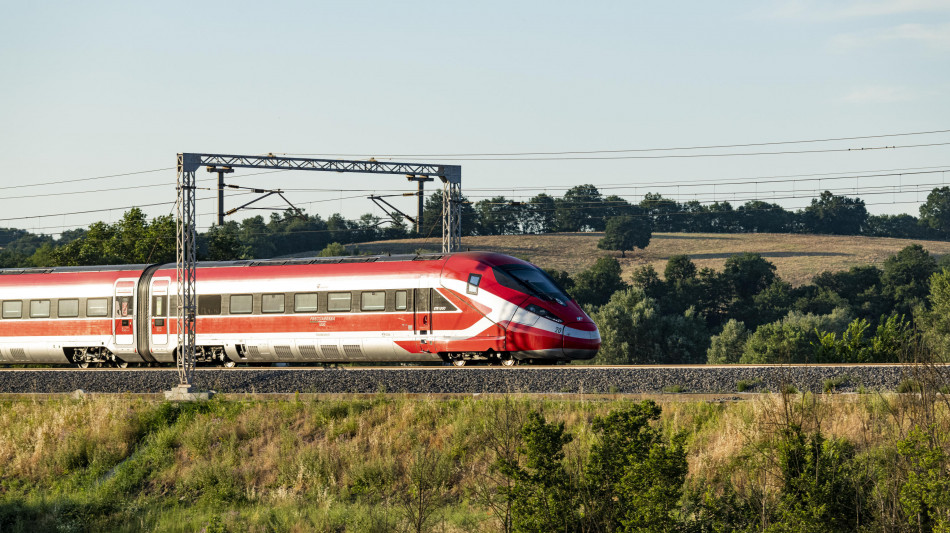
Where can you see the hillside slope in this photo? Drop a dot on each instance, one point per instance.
(797, 257)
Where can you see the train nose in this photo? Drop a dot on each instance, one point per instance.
(581, 340)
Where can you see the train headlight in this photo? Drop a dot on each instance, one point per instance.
(544, 313)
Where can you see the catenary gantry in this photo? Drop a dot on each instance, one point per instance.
(186, 231)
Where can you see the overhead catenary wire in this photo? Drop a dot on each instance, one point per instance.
(631, 150)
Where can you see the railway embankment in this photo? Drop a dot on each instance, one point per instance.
(430, 380)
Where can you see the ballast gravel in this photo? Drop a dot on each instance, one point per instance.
(449, 380)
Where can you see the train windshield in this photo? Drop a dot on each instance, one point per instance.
(531, 280)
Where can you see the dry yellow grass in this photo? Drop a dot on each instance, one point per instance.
(797, 257)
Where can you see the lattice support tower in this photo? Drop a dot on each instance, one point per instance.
(186, 257)
(186, 232)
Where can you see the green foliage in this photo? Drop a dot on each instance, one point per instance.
(935, 323)
(793, 339)
(925, 497)
(634, 476)
(633, 332)
(679, 268)
(132, 240)
(334, 249)
(748, 274)
(744, 385)
(595, 285)
(728, 346)
(626, 233)
(833, 214)
(824, 489)
(860, 288)
(905, 278)
(836, 383)
(579, 209)
(935, 212)
(543, 496)
(495, 216)
(223, 243)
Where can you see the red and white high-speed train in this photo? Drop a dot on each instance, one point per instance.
(452, 308)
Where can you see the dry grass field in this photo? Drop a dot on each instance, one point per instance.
(797, 257)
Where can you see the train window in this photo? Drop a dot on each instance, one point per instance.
(209, 304)
(12, 309)
(39, 308)
(67, 308)
(159, 305)
(338, 301)
(97, 307)
(402, 301)
(305, 302)
(272, 303)
(373, 301)
(123, 306)
(473, 281)
(241, 304)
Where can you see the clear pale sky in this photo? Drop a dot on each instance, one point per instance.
(90, 89)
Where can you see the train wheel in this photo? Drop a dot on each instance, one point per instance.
(509, 361)
(458, 362)
(121, 364)
(83, 364)
(228, 364)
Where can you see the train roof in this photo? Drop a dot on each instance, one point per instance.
(225, 264)
(490, 257)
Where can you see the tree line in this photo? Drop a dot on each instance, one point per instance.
(745, 313)
(135, 239)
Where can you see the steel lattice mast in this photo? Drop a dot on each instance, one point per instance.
(186, 262)
(186, 232)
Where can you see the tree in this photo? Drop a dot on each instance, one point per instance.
(539, 217)
(935, 212)
(793, 339)
(626, 233)
(130, 240)
(837, 215)
(615, 206)
(543, 496)
(595, 285)
(580, 209)
(634, 476)
(223, 243)
(823, 485)
(936, 322)
(664, 212)
(334, 249)
(901, 226)
(722, 218)
(633, 331)
(905, 277)
(756, 216)
(746, 276)
(495, 217)
(727, 347)
(679, 268)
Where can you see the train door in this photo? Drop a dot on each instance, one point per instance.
(159, 312)
(123, 323)
(422, 315)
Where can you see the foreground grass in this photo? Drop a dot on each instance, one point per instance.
(127, 464)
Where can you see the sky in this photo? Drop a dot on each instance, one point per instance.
(96, 89)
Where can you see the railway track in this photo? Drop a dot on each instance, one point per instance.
(473, 380)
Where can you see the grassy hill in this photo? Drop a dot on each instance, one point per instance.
(797, 257)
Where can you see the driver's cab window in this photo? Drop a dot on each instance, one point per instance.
(123, 306)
